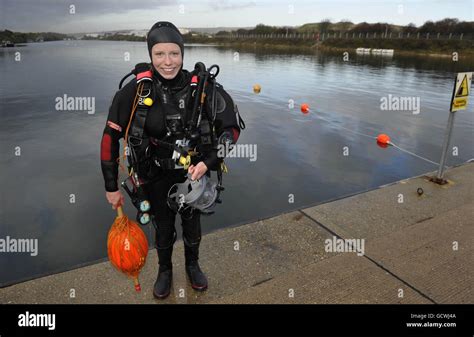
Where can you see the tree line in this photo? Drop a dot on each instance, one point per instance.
(445, 26)
(16, 37)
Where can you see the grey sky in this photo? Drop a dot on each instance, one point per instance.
(100, 15)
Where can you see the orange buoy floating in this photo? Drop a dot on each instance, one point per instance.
(383, 139)
(257, 88)
(304, 108)
(127, 246)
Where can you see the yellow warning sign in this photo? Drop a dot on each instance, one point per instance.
(462, 88)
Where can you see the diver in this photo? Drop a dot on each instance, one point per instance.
(172, 122)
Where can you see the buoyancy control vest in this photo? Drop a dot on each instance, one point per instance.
(194, 115)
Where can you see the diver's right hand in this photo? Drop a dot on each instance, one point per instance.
(115, 198)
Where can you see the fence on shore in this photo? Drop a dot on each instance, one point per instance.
(352, 35)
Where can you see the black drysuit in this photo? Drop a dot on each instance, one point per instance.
(169, 101)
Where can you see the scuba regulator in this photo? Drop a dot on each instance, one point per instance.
(198, 129)
(195, 129)
(138, 197)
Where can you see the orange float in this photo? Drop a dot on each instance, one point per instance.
(127, 246)
(383, 139)
(304, 108)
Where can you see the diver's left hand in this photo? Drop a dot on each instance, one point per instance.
(197, 171)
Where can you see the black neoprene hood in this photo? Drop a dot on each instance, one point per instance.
(164, 32)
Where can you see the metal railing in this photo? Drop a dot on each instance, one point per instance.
(352, 35)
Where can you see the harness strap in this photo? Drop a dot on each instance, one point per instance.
(138, 125)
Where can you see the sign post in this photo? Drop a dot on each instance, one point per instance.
(459, 100)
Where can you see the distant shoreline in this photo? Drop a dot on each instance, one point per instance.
(327, 46)
(309, 46)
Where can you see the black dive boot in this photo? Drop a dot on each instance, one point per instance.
(196, 276)
(162, 287)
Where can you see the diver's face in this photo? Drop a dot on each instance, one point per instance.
(167, 59)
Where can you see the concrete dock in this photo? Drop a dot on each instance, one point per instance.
(417, 249)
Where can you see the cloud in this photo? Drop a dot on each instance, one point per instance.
(87, 7)
(107, 15)
(27, 15)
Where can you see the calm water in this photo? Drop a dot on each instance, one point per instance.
(298, 154)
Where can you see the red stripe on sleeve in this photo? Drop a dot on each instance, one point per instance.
(235, 134)
(106, 147)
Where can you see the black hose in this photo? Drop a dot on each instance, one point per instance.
(123, 79)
